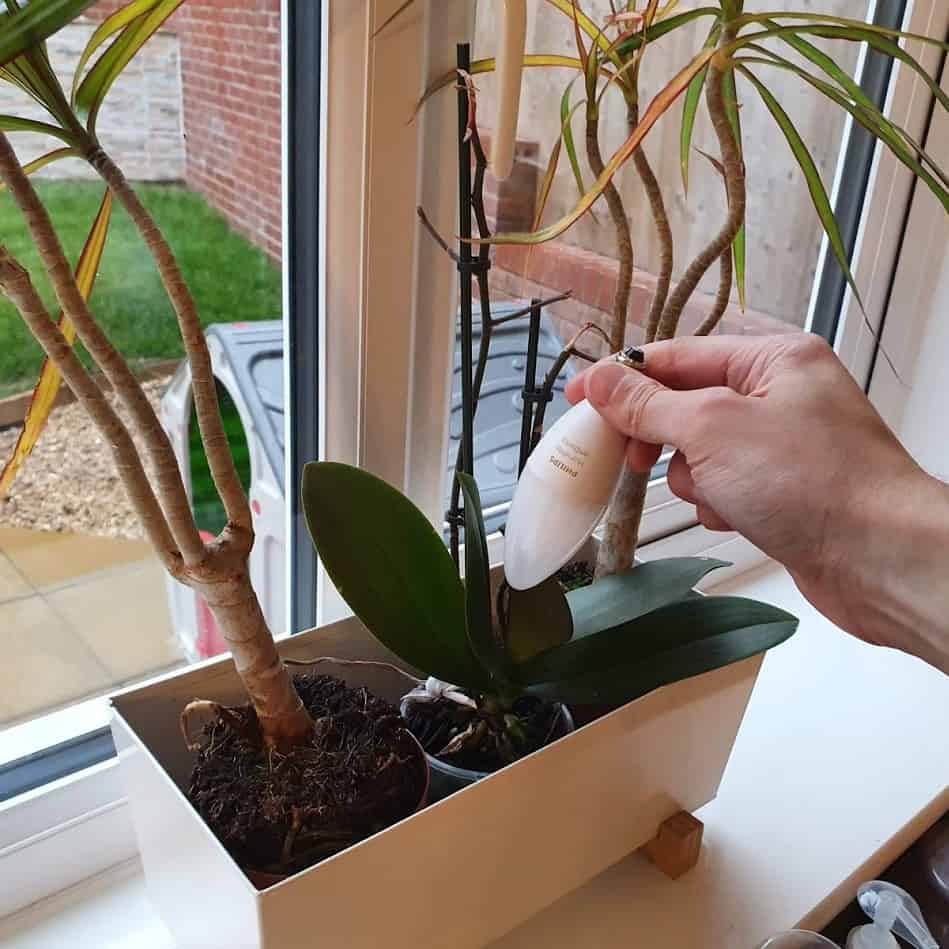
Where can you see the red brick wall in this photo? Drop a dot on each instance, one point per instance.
(231, 92)
(230, 77)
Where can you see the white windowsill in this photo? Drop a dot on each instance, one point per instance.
(837, 768)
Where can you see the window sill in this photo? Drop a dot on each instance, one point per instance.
(806, 811)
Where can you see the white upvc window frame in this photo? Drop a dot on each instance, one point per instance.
(386, 291)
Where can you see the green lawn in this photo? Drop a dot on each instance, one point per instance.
(230, 278)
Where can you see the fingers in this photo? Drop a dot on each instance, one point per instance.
(679, 479)
(710, 520)
(639, 406)
(693, 362)
(641, 456)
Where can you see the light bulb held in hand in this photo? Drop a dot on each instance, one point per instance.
(561, 495)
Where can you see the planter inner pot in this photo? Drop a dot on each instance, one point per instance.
(277, 813)
(447, 778)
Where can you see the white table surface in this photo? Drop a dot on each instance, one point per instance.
(840, 764)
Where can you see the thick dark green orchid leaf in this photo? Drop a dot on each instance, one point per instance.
(622, 684)
(672, 643)
(648, 639)
(811, 174)
(392, 568)
(29, 26)
(484, 644)
(535, 620)
(612, 601)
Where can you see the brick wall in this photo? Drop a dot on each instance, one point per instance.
(231, 92)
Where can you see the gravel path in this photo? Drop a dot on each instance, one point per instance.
(69, 482)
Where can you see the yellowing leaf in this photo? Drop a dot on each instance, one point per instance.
(481, 66)
(44, 395)
(45, 160)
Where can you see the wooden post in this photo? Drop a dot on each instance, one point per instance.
(675, 848)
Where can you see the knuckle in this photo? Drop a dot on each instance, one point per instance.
(713, 407)
(808, 348)
(636, 403)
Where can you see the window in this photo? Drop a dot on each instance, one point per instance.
(367, 340)
(791, 283)
(196, 122)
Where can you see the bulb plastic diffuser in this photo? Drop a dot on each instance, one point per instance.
(510, 69)
(893, 911)
(561, 495)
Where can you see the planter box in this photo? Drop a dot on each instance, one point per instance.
(461, 872)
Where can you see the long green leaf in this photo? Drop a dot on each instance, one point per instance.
(13, 123)
(623, 684)
(739, 244)
(95, 86)
(837, 21)
(657, 108)
(45, 160)
(548, 182)
(392, 568)
(566, 127)
(690, 105)
(665, 26)
(876, 37)
(887, 47)
(811, 175)
(824, 62)
(612, 601)
(30, 26)
(535, 620)
(852, 89)
(873, 121)
(109, 27)
(479, 624)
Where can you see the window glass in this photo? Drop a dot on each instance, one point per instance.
(784, 233)
(195, 124)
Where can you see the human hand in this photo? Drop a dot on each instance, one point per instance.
(774, 439)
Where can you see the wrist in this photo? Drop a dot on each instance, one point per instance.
(892, 578)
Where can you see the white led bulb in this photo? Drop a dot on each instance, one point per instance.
(561, 495)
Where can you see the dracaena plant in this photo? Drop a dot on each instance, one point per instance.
(217, 569)
(606, 643)
(743, 47)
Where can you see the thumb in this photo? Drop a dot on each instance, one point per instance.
(639, 406)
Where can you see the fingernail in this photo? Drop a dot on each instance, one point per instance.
(602, 383)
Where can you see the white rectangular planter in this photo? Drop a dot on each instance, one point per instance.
(461, 872)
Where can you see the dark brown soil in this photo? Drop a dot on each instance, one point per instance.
(435, 724)
(282, 813)
(575, 575)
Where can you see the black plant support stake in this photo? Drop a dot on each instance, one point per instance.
(465, 262)
(530, 392)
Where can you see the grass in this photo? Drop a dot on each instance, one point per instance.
(230, 278)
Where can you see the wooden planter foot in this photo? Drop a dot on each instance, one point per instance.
(675, 848)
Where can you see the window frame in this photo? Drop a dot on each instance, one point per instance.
(375, 402)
